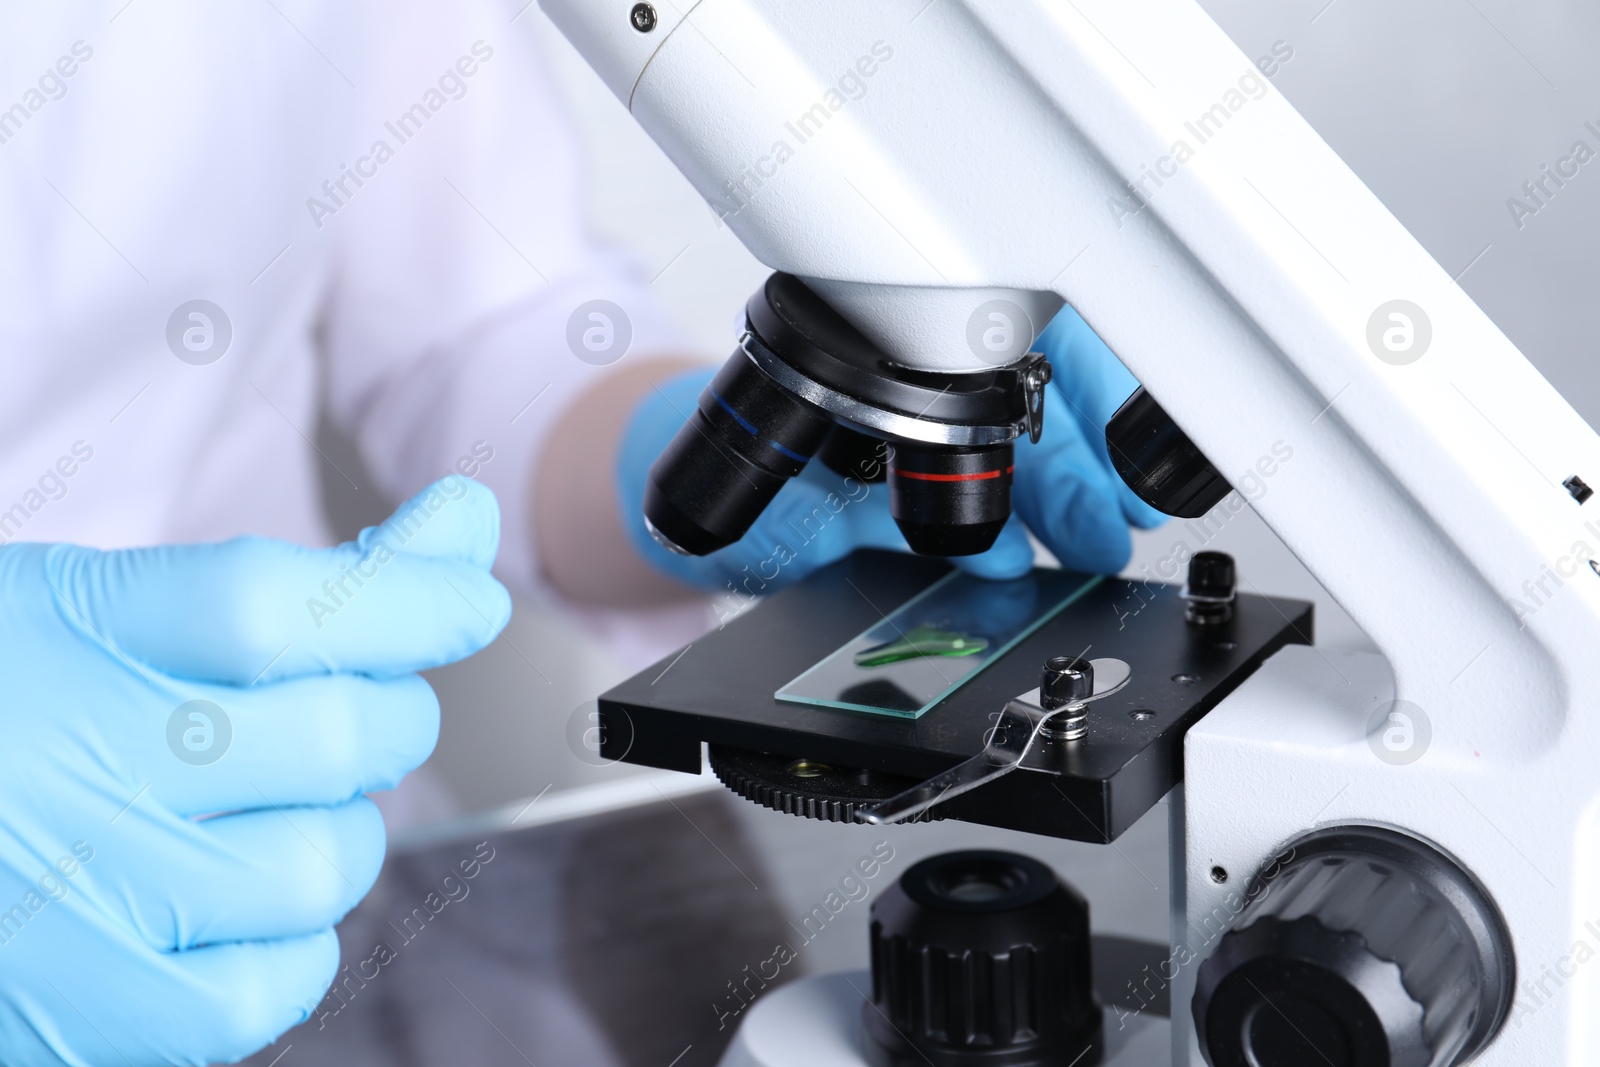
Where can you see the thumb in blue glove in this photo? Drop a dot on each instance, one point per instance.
(150, 687)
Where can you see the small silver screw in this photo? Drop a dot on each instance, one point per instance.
(643, 17)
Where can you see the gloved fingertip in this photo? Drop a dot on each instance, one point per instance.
(257, 989)
(360, 840)
(454, 518)
(1138, 513)
(995, 568)
(489, 600)
(1107, 551)
(1010, 557)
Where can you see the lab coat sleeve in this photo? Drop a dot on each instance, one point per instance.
(464, 310)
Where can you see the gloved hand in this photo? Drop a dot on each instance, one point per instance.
(146, 688)
(1065, 490)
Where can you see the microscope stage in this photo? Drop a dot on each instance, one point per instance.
(822, 761)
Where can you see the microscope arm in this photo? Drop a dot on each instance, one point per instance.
(914, 159)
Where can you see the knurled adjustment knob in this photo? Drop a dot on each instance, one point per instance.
(1213, 583)
(1066, 680)
(981, 959)
(1366, 948)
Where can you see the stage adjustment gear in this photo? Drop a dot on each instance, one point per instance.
(805, 787)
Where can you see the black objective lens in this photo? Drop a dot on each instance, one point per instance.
(745, 440)
(950, 501)
(855, 455)
(1158, 461)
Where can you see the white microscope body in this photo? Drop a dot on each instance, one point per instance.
(914, 160)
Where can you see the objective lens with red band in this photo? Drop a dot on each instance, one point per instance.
(974, 476)
(950, 501)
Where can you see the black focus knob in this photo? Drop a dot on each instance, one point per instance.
(1066, 680)
(1366, 948)
(981, 959)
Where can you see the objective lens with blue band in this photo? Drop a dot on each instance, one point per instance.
(748, 436)
(750, 429)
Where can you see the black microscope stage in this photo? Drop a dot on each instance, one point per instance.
(824, 761)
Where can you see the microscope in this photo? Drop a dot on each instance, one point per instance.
(1376, 858)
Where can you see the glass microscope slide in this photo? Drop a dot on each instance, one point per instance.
(925, 649)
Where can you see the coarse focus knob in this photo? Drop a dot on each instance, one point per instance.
(981, 959)
(1066, 680)
(1366, 948)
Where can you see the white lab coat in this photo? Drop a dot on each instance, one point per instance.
(168, 152)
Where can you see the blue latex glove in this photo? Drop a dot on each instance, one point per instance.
(133, 932)
(1065, 489)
